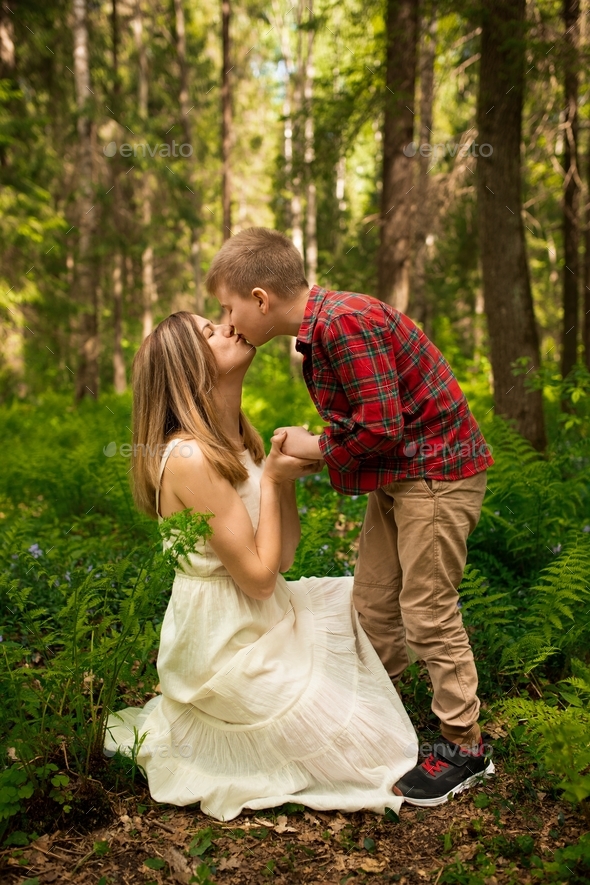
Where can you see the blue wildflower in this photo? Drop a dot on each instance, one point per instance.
(35, 551)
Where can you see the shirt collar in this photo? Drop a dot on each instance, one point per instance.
(314, 301)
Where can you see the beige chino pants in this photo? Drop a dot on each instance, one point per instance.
(413, 548)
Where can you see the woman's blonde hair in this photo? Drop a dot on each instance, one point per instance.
(174, 372)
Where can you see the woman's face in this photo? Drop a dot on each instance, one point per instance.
(232, 352)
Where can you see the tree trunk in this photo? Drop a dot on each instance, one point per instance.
(185, 108)
(85, 282)
(393, 260)
(296, 108)
(587, 265)
(311, 242)
(149, 292)
(571, 195)
(6, 42)
(148, 285)
(419, 306)
(226, 120)
(506, 284)
(119, 380)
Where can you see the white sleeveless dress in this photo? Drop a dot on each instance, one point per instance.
(266, 701)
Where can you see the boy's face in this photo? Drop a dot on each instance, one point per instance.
(249, 316)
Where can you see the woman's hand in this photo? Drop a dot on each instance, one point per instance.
(280, 468)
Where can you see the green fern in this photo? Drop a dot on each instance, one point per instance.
(487, 611)
(560, 736)
(557, 619)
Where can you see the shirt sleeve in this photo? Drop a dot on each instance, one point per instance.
(360, 353)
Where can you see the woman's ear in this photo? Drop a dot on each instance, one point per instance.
(262, 299)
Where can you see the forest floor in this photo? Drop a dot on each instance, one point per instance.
(504, 831)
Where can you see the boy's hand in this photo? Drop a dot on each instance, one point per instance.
(300, 443)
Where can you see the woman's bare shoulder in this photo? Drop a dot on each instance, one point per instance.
(190, 467)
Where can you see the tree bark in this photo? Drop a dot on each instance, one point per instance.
(506, 284)
(85, 281)
(587, 265)
(185, 109)
(419, 305)
(393, 260)
(6, 42)
(149, 291)
(311, 242)
(571, 195)
(226, 119)
(119, 379)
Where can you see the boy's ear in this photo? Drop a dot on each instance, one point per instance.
(262, 298)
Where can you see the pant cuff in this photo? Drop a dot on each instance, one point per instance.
(467, 738)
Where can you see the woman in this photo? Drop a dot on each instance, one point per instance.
(271, 692)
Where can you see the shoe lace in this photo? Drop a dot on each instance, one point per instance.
(434, 765)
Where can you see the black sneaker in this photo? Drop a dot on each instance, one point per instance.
(448, 770)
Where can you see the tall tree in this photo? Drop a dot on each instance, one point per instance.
(119, 380)
(226, 118)
(85, 274)
(149, 291)
(311, 241)
(397, 199)
(587, 265)
(506, 284)
(194, 186)
(419, 305)
(571, 194)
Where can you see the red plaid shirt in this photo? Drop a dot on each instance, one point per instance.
(394, 408)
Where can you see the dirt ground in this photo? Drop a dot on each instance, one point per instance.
(496, 829)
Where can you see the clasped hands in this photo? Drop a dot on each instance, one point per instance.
(302, 444)
(299, 450)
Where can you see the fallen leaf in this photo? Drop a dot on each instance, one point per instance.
(337, 825)
(310, 836)
(310, 818)
(282, 827)
(263, 822)
(371, 865)
(340, 863)
(229, 863)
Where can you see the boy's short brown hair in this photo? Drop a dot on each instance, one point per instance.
(258, 257)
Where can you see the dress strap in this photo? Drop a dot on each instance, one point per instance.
(171, 445)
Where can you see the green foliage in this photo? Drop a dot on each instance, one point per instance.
(556, 619)
(202, 843)
(60, 679)
(486, 610)
(560, 730)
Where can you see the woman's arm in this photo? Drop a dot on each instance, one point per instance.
(253, 560)
(291, 526)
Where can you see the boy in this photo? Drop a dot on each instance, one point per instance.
(399, 428)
